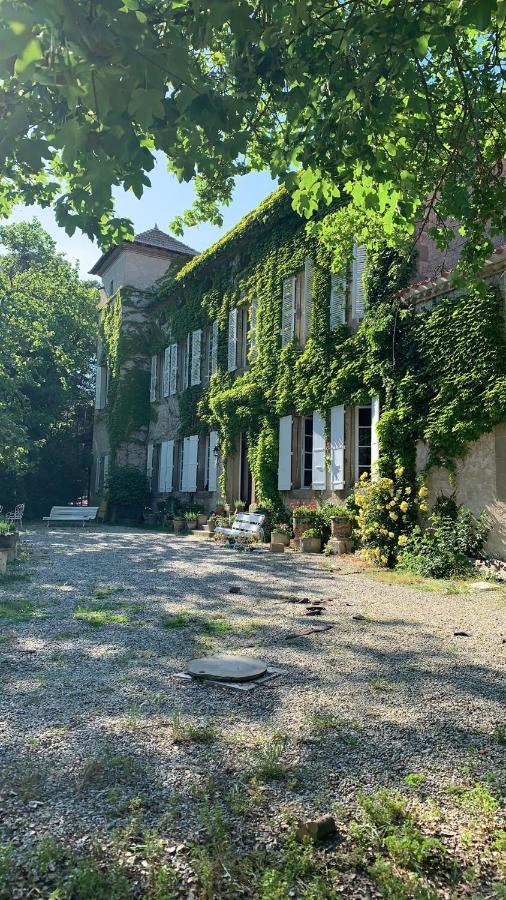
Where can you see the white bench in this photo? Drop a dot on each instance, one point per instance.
(81, 514)
(245, 524)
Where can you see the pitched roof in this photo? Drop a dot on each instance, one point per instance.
(153, 237)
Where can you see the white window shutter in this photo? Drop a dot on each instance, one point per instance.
(288, 311)
(212, 477)
(232, 340)
(173, 370)
(337, 299)
(149, 465)
(214, 348)
(166, 372)
(319, 474)
(307, 304)
(166, 466)
(196, 356)
(184, 473)
(186, 378)
(358, 293)
(285, 454)
(375, 414)
(152, 385)
(337, 448)
(98, 387)
(253, 329)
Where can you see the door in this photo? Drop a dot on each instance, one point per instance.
(245, 480)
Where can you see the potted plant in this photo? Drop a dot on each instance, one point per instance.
(8, 538)
(211, 523)
(192, 520)
(220, 509)
(310, 541)
(281, 534)
(341, 525)
(303, 517)
(179, 523)
(239, 505)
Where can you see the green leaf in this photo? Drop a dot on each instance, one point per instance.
(31, 53)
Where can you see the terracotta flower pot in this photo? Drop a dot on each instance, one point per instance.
(310, 545)
(341, 528)
(300, 526)
(278, 538)
(179, 525)
(192, 524)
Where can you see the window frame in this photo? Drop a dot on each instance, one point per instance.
(358, 445)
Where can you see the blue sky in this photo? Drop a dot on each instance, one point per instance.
(159, 204)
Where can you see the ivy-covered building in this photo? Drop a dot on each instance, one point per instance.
(269, 369)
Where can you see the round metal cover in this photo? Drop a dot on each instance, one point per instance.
(227, 667)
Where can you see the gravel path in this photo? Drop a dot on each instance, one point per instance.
(86, 710)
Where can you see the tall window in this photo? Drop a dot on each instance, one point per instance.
(306, 467)
(364, 440)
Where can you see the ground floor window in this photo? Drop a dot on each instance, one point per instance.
(307, 452)
(364, 440)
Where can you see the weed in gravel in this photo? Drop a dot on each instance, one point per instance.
(99, 617)
(217, 626)
(184, 732)
(27, 781)
(269, 759)
(88, 880)
(6, 868)
(107, 769)
(414, 780)
(479, 801)
(323, 722)
(100, 593)
(65, 635)
(382, 685)
(13, 610)
(500, 735)
(180, 619)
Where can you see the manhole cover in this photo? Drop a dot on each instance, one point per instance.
(227, 668)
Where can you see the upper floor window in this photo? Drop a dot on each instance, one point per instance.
(296, 309)
(101, 387)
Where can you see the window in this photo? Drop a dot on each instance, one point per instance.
(111, 287)
(212, 349)
(364, 440)
(242, 337)
(296, 311)
(299, 296)
(101, 472)
(101, 387)
(306, 467)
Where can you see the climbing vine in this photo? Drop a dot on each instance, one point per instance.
(440, 372)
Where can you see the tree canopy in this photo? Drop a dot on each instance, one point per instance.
(48, 324)
(385, 101)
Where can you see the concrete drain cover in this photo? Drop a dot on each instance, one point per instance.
(227, 667)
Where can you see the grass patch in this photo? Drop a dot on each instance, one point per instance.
(183, 732)
(97, 617)
(322, 723)
(180, 619)
(13, 610)
(108, 769)
(406, 579)
(100, 593)
(217, 626)
(269, 759)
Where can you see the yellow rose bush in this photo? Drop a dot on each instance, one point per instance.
(386, 512)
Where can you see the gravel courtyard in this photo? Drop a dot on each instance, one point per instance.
(94, 728)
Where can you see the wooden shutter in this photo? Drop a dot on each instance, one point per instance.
(196, 356)
(375, 414)
(166, 466)
(98, 387)
(214, 348)
(358, 293)
(173, 370)
(149, 465)
(152, 385)
(212, 477)
(288, 311)
(190, 454)
(337, 448)
(337, 299)
(186, 374)
(98, 466)
(318, 475)
(253, 329)
(307, 300)
(232, 340)
(166, 372)
(285, 454)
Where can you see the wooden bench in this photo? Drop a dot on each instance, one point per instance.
(245, 525)
(80, 514)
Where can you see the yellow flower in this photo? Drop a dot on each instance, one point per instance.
(391, 534)
(424, 490)
(364, 476)
(404, 506)
(399, 471)
(424, 507)
(384, 560)
(408, 491)
(392, 503)
(393, 516)
(402, 539)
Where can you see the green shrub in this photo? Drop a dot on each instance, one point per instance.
(6, 527)
(126, 485)
(312, 533)
(444, 547)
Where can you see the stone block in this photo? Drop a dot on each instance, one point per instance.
(339, 547)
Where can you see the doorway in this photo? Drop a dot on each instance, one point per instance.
(245, 479)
